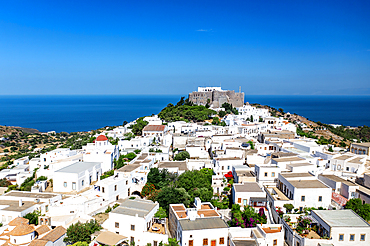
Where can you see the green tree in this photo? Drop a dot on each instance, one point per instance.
(185, 112)
(289, 207)
(148, 189)
(183, 155)
(41, 178)
(363, 210)
(222, 113)
(161, 213)
(80, 244)
(181, 102)
(251, 144)
(171, 195)
(160, 178)
(33, 217)
(138, 127)
(4, 182)
(172, 242)
(196, 183)
(80, 232)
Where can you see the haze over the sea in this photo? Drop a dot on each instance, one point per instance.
(84, 113)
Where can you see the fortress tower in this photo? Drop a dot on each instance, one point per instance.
(216, 96)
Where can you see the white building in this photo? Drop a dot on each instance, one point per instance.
(201, 225)
(261, 235)
(223, 165)
(76, 177)
(19, 203)
(157, 131)
(304, 190)
(113, 188)
(248, 194)
(135, 219)
(101, 151)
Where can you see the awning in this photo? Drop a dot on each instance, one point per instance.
(258, 199)
(110, 238)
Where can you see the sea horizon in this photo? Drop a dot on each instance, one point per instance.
(71, 113)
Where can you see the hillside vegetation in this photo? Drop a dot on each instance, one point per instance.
(186, 111)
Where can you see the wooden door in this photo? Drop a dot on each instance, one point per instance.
(213, 243)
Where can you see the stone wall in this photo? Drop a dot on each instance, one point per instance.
(217, 98)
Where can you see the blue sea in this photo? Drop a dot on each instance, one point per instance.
(84, 113)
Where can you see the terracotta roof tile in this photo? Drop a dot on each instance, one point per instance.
(38, 242)
(18, 221)
(55, 234)
(42, 229)
(154, 128)
(22, 230)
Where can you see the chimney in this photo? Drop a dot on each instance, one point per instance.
(20, 203)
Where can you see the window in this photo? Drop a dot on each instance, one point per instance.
(115, 187)
(239, 200)
(65, 184)
(117, 232)
(265, 174)
(47, 208)
(320, 198)
(82, 182)
(102, 189)
(303, 198)
(191, 243)
(126, 182)
(222, 240)
(341, 237)
(132, 227)
(272, 174)
(352, 237)
(132, 239)
(116, 225)
(362, 238)
(155, 243)
(73, 185)
(205, 241)
(274, 242)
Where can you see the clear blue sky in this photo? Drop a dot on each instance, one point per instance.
(171, 47)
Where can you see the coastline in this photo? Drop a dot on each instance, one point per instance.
(84, 113)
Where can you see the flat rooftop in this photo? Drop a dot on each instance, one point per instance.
(250, 242)
(202, 224)
(287, 159)
(307, 184)
(248, 187)
(300, 164)
(341, 218)
(129, 168)
(137, 206)
(356, 160)
(181, 165)
(78, 167)
(12, 205)
(295, 175)
(343, 157)
(29, 194)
